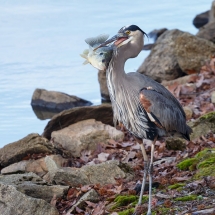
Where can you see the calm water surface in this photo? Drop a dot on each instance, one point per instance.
(40, 43)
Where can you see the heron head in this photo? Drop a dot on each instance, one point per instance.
(128, 38)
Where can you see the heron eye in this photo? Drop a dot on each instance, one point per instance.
(100, 53)
(128, 32)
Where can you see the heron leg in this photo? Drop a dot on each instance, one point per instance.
(150, 177)
(146, 166)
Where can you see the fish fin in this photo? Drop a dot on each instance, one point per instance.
(97, 40)
(85, 62)
(85, 53)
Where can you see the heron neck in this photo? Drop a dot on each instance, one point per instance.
(118, 63)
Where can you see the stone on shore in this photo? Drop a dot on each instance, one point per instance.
(103, 113)
(105, 97)
(14, 202)
(201, 19)
(84, 135)
(53, 100)
(34, 186)
(103, 173)
(37, 166)
(176, 53)
(17, 151)
(207, 32)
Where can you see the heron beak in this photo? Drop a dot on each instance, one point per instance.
(117, 39)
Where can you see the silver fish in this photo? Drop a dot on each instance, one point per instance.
(101, 57)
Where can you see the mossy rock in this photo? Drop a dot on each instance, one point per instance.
(127, 212)
(203, 161)
(186, 198)
(203, 125)
(187, 164)
(176, 186)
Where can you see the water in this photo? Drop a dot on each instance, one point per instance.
(40, 43)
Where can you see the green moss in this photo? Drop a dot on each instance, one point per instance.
(207, 171)
(206, 163)
(186, 198)
(127, 212)
(175, 186)
(205, 153)
(209, 117)
(185, 164)
(124, 200)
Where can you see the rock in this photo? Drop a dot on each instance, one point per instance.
(207, 32)
(203, 125)
(36, 166)
(103, 173)
(84, 135)
(31, 144)
(210, 211)
(179, 81)
(103, 86)
(101, 113)
(188, 111)
(34, 186)
(175, 143)
(44, 114)
(212, 12)
(213, 97)
(91, 196)
(52, 100)
(15, 202)
(201, 19)
(175, 53)
(148, 46)
(156, 33)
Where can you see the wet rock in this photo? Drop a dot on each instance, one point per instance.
(156, 33)
(34, 186)
(15, 202)
(203, 125)
(175, 143)
(103, 173)
(52, 100)
(37, 166)
(44, 114)
(84, 135)
(101, 113)
(103, 86)
(213, 97)
(212, 12)
(31, 144)
(207, 32)
(175, 53)
(91, 196)
(188, 112)
(201, 19)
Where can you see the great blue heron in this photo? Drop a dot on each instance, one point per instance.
(146, 108)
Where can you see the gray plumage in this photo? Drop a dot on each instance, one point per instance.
(146, 108)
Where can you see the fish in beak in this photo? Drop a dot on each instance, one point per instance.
(117, 39)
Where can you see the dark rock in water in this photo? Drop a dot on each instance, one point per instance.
(57, 101)
(101, 113)
(201, 19)
(207, 32)
(148, 47)
(43, 114)
(156, 33)
(105, 97)
(31, 144)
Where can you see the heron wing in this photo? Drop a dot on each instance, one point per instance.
(162, 111)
